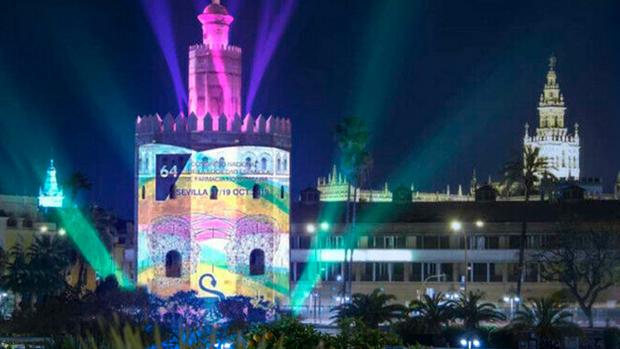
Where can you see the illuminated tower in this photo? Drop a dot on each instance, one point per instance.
(212, 188)
(51, 195)
(556, 144)
(215, 67)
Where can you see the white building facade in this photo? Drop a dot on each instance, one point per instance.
(556, 144)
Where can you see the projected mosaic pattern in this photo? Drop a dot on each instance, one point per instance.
(212, 213)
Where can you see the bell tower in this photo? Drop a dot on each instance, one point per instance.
(556, 144)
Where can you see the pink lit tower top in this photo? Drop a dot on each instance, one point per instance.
(215, 68)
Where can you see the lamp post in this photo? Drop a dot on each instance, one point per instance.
(457, 227)
(512, 300)
(438, 277)
(469, 343)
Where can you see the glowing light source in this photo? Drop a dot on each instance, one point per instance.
(480, 223)
(310, 228)
(43, 229)
(51, 194)
(62, 232)
(324, 226)
(456, 226)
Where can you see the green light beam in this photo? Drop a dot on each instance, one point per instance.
(87, 240)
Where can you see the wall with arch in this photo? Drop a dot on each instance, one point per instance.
(228, 218)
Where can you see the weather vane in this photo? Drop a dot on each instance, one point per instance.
(552, 61)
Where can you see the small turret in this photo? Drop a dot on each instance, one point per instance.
(215, 24)
(51, 194)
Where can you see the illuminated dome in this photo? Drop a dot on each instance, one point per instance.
(215, 8)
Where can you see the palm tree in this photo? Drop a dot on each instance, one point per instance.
(19, 277)
(372, 309)
(352, 138)
(524, 174)
(49, 257)
(3, 261)
(546, 317)
(433, 312)
(469, 309)
(77, 182)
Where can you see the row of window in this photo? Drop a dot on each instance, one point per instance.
(205, 165)
(476, 242)
(415, 272)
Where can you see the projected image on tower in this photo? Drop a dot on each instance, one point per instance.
(214, 221)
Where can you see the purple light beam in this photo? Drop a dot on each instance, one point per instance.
(273, 22)
(158, 13)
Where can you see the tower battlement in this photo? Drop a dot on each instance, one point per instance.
(211, 47)
(552, 135)
(153, 124)
(209, 130)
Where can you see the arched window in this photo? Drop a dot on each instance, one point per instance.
(248, 163)
(256, 191)
(285, 165)
(172, 192)
(221, 164)
(263, 164)
(278, 165)
(213, 193)
(257, 262)
(173, 264)
(143, 193)
(282, 192)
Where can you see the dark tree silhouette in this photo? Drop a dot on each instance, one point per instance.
(547, 318)
(522, 175)
(372, 309)
(351, 135)
(586, 262)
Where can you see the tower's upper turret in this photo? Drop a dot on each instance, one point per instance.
(215, 24)
(50, 194)
(214, 84)
(551, 107)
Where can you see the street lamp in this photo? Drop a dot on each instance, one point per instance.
(470, 343)
(310, 228)
(457, 227)
(512, 300)
(324, 226)
(62, 232)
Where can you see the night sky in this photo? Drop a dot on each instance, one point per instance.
(446, 86)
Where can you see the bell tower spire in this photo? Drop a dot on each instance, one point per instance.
(557, 145)
(551, 108)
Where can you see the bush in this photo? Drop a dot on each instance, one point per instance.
(412, 332)
(355, 334)
(287, 332)
(502, 337)
(611, 337)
